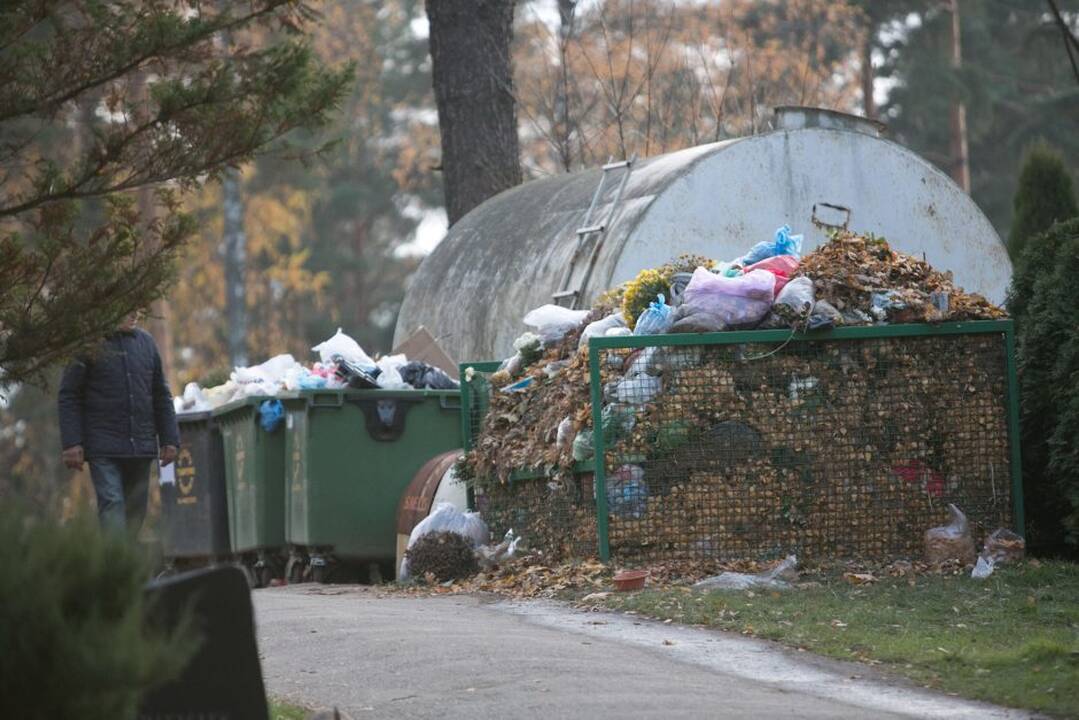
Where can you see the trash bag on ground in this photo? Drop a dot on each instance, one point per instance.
(1003, 545)
(600, 327)
(271, 414)
(627, 493)
(656, 319)
(422, 376)
(737, 302)
(447, 518)
(951, 541)
(782, 244)
(782, 266)
(490, 556)
(552, 322)
(778, 578)
(983, 568)
(344, 347)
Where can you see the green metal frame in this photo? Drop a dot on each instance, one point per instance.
(466, 397)
(598, 345)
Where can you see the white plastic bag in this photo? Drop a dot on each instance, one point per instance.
(601, 328)
(341, 345)
(193, 399)
(737, 301)
(638, 390)
(775, 579)
(447, 518)
(984, 567)
(795, 300)
(389, 376)
(552, 322)
(492, 555)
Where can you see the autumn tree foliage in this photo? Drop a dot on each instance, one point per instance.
(101, 99)
(644, 77)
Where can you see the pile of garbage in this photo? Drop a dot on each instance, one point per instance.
(342, 363)
(540, 417)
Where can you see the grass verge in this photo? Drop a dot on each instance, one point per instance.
(284, 711)
(1012, 639)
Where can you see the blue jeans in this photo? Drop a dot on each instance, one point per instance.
(121, 486)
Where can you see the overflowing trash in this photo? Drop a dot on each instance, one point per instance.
(342, 363)
(717, 449)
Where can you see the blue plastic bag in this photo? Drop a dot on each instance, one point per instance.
(655, 320)
(271, 413)
(783, 244)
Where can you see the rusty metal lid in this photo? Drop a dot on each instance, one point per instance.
(418, 497)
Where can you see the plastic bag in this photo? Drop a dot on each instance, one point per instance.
(679, 281)
(794, 302)
(618, 422)
(618, 332)
(447, 518)
(564, 434)
(599, 328)
(776, 579)
(692, 319)
(193, 399)
(1004, 546)
(782, 244)
(529, 347)
(782, 266)
(269, 377)
(885, 304)
(642, 362)
(656, 319)
(492, 555)
(583, 446)
(951, 541)
(389, 376)
(983, 568)
(344, 347)
(824, 315)
(271, 414)
(638, 390)
(739, 301)
(552, 322)
(422, 376)
(627, 493)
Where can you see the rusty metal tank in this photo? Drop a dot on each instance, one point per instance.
(518, 249)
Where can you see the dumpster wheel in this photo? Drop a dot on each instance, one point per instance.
(294, 570)
(264, 575)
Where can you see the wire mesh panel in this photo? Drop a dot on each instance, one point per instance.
(556, 515)
(475, 398)
(732, 447)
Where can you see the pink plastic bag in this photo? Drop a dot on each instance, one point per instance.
(737, 301)
(782, 266)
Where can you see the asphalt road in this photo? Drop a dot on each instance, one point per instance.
(379, 656)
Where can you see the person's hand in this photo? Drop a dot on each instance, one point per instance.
(73, 457)
(168, 454)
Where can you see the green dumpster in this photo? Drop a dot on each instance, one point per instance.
(193, 513)
(255, 480)
(349, 456)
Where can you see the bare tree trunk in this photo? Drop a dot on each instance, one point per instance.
(959, 151)
(564, 132)
(235, 247)
(477, 115)
(869, 105)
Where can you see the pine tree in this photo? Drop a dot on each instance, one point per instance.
(1045, 196)
(1048, 359)
(101, 99)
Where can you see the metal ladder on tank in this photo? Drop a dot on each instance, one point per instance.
(594, 232)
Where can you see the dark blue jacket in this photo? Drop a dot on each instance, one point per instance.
(117, 403)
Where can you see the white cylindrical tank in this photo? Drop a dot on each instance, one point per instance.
(512, 253)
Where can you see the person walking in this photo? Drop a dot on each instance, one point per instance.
(116, 414)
